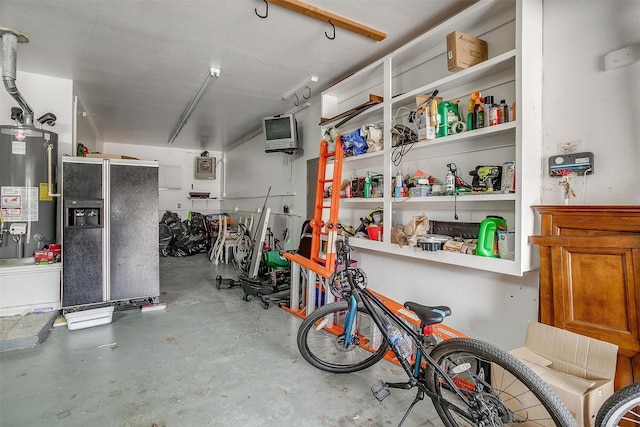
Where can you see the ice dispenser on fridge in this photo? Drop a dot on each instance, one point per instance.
(83, 213)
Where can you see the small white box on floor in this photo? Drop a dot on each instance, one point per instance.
(88, 318)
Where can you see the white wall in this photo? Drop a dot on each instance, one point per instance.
(44, 94)
(177, 165)
(250, 172)
(582, 102)
(86, 132)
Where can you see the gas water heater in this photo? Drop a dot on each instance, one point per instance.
(28, 158)
(29, 212)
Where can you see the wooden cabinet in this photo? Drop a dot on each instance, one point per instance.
(590, 277)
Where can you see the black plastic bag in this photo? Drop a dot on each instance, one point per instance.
(183, 238)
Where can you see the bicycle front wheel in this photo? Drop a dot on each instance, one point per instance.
(321, 340)
(492, 387)
(621, 408)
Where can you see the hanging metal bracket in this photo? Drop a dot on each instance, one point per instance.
(333, 37)
(266, 13)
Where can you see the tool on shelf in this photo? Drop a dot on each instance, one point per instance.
(351, 113)
(486, 178)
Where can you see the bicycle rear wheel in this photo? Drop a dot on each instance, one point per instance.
(321, 340)
(498, 389)
(621, 408)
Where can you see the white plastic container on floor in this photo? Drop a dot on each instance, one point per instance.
(88, 318)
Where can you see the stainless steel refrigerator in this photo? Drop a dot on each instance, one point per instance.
(109, 232)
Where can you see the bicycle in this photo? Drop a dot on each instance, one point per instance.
(621, 408)
(469, 382)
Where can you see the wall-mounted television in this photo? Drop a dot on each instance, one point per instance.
(281, 133)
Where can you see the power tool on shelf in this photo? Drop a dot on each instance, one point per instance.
(486, 178)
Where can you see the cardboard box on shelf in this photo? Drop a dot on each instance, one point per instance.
(43, 256)
(578, 368)
(464, 51)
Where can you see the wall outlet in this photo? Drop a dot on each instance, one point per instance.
(179, 205)
(568, 147)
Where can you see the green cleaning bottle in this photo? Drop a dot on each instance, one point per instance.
(488, 237)
(448, 116)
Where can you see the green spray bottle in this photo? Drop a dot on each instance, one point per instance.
(367, 186)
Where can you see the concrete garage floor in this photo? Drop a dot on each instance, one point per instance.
(210, 358)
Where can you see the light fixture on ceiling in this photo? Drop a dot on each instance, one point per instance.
(298, 108)
(209, 79)
(302, 85)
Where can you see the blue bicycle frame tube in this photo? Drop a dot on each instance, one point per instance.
(416, 367)
(349, 321)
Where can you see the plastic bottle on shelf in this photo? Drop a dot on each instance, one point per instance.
(450, 183)
(399, 185)
(367, 186)
(399, 341)
(470, 104)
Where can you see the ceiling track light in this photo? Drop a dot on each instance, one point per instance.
(212, 76)
(302, 85)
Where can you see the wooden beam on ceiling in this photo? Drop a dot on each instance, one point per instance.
(325, 16)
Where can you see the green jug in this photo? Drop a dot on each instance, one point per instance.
(487, 237)
(449, 115)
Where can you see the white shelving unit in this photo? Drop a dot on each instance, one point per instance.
(512, 72)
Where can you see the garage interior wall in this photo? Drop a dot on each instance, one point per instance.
(582, 102)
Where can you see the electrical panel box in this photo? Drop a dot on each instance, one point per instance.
(205, 168)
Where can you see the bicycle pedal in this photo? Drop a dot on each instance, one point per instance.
(380, 390)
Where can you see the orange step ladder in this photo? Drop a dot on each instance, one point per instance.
(322, 258)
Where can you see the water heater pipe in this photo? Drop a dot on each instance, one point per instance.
(50, 173)
(10, 40)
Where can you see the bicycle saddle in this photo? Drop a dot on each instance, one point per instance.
(428, 315)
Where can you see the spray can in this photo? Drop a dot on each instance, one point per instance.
(504, 111)
(488, 102)
(494, 115)
(478, 115)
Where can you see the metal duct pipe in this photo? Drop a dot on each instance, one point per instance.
(10, 40)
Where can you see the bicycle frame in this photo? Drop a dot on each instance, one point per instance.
(377, 310)
(470, 382)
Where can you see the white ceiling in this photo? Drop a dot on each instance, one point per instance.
(136, 63)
